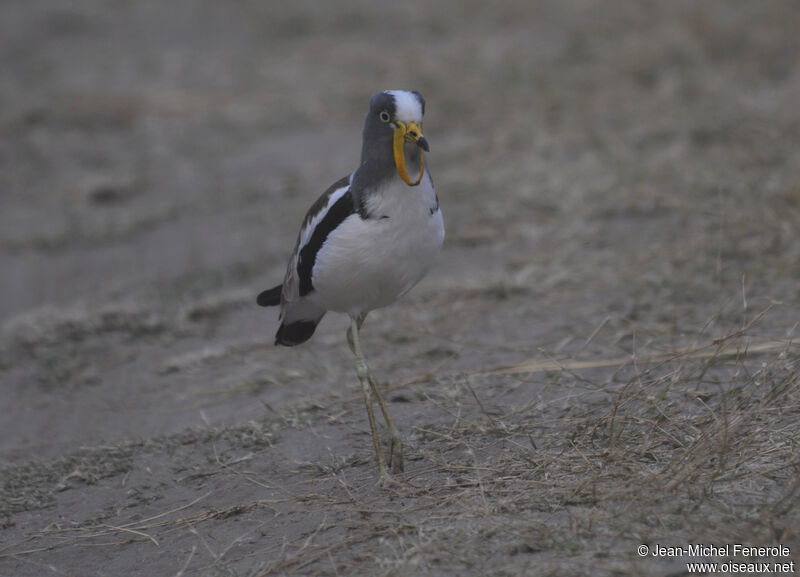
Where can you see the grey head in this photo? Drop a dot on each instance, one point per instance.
(389, 111)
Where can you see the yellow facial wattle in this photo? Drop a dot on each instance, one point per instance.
(411, 133)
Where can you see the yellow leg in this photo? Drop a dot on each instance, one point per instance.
(395, 455)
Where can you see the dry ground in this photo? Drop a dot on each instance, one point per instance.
(604, 358)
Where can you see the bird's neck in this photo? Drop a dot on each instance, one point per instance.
(378, 164)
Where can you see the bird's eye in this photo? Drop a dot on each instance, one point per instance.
(384, 116)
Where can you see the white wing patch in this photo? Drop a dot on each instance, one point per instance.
(291, 283)
(409, 108)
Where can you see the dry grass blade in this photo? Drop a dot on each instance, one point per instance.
(728, 351)
(132, 531)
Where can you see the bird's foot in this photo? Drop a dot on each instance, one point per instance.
(386, 481)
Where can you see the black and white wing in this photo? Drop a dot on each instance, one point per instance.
(299, 315)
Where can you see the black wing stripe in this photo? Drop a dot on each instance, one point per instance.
(336, 214)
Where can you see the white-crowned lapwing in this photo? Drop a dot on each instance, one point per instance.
(366, 241)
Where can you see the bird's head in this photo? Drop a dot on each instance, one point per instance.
(398, 113)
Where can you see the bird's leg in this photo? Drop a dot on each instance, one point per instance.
(395, 453)
(363, 375)
(395, 456)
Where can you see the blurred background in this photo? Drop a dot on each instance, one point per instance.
(638, 162)
(615, 177)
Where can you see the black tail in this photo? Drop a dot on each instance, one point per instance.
(295, 333)
(270, 297)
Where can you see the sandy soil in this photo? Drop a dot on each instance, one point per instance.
(603, 358)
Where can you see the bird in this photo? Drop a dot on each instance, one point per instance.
(370, 238)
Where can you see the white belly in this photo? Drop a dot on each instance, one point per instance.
(368, 264)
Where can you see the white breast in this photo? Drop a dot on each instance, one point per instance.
(369, 263)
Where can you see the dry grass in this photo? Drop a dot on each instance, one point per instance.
(695, 446)
(583, 373)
